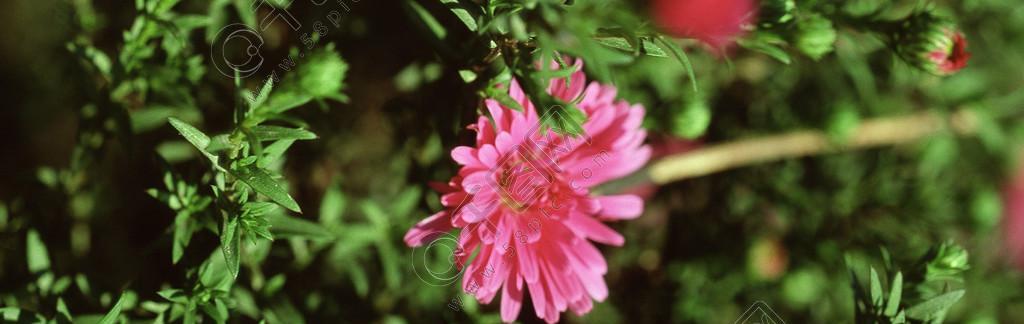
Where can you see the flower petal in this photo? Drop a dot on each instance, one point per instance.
(511, 299)
(428, 229)
(621, 207)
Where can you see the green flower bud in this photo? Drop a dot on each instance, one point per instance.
(930, 43)
(949, 262)
(321, 73)
(815, 36)
(693, 120)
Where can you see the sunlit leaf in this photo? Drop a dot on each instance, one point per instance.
(262, 182)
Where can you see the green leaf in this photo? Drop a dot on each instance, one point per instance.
(332, 206)
(566, 120)
(174, 295)
(196, 137)
(427, 19)
(901, 318)
(61, 285)
(216, 310)
(214, 273)
(287, 226)
(285, 100)
(359, 279)
(935, 307)
(462, 12)
(406, 201)
(156, 115)
(273, 152)
(261, 98)
(503, 98)
(229, 244)
(623, 44)
(876, 289)
(190, 133)
(94, 57)
(262, 182)
(895, 294)
(35, 251)
(190, 313)
(83, 283)
(271, 133)
(766, 43)
(282, 311)
(258, 208)
(114, 311)
(182, 235)
(62, 310)
(680, 56)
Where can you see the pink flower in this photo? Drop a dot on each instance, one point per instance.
(714, 22)
(1013, 228)
(522, 199)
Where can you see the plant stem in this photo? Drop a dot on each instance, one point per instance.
(746, 152)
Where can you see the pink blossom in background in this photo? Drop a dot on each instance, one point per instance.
(714, 22)
(522, 199)
(1013, 227)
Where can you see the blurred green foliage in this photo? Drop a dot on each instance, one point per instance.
(146, 186)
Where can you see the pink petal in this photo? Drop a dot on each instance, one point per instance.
(540, 302)
(621, 207)
(428, 229)
(582, 306)
(589, 227)
(511, 299)
(488, 155)
(527, 262)
(465, 155)
(505, 143)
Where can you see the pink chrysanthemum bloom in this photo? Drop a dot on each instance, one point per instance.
(522, 200)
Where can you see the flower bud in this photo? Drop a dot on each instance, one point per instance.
(950, 261)
(692, 121)
(930, 43)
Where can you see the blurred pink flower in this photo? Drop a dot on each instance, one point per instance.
(1013, 228)
(714, 22)
(522, 198)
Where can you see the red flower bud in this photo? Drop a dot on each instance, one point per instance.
(931, 43)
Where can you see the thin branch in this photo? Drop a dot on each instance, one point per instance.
(870, 133)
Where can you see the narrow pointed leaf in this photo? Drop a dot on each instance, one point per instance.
(272, 133)
(680, 56)
(114, 312)
(934, 307)
(287, 226)
(895, 294)
(229, 245)
(38, 258)
(876, 289)
(262, 182)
